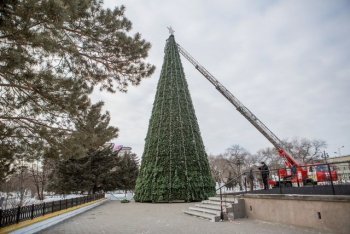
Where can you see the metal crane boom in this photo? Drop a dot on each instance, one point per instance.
(241, 108)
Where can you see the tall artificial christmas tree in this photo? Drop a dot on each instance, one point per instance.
(174, 163)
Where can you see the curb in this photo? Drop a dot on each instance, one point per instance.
(43, 222)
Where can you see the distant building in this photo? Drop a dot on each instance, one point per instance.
(125, 150)
(342, 165)
(120, 148)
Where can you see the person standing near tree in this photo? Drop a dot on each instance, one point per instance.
(264, 174)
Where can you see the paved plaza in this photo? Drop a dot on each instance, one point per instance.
(165, 218)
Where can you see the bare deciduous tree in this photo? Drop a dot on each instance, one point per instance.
(218, 167)
(39, 173)
(17, 188)
(304, 150)
(236, 157)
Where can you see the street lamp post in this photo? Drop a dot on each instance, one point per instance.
(325, 156)
(239, 162)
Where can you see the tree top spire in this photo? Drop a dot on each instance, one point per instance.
(171, 30)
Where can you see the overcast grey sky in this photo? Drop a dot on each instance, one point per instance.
(287, 61)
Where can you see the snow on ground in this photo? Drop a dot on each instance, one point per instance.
(13, 199)
(118, 195)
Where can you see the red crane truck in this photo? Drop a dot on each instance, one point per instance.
(295, 172)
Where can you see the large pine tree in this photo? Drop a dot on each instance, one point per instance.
(174, 163)
(52, 55)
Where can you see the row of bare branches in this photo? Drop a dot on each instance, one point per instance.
(236, 160)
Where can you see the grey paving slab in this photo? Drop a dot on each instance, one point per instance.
(147, 218)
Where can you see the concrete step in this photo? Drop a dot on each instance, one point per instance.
(208, 206)
(204, 210)
(211, 217)
(227, 199)
(227, 206)
(211, 202)
(218, 203)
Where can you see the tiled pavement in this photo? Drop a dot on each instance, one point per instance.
(165, 218)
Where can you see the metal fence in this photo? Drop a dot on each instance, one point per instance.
(320, 178)
(18, 214)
